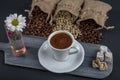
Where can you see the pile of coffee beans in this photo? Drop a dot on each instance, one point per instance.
(89, 32)
(64, 21)
(66, 15)
(37, 25)
(90, 22)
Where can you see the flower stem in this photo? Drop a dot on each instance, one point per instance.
(14, 40)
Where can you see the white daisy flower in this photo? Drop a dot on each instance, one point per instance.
(15, 22)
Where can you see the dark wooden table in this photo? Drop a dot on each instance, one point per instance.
(111, 39)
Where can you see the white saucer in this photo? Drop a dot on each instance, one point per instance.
(47, 61)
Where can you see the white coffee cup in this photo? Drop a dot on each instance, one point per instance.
(63, 54)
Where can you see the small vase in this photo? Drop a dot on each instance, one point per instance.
(17, 43)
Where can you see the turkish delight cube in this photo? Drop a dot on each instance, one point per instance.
(103, 66)
(108, 56)
(95, 63)
(100, 55)
(103, 48)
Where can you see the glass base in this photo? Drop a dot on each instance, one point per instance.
(18, 52)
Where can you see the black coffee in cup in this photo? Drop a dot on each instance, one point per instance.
(61, 40)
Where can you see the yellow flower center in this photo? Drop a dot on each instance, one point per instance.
(15, 22)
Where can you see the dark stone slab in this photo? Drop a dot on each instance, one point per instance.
(30, 59)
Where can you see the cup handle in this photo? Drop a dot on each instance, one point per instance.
(73, 50)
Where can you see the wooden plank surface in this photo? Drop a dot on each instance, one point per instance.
(30, 59)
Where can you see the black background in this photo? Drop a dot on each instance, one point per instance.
(111, 39)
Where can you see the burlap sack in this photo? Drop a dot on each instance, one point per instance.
(46, 6)
(96, 10)
(72, 6)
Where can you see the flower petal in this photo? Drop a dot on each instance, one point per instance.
(20, 26)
